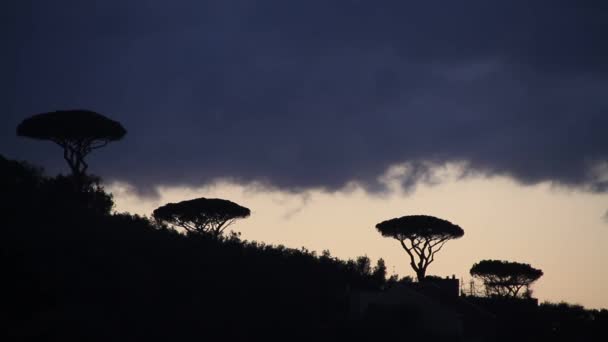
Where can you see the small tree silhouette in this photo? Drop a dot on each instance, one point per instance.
(421, 237)
(78, 132)
(201, 215)
(505, 278)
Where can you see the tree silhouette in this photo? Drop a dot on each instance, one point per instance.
(78, 132)
(505, 278)
(421, 237)
(379, 272)
(201, 215)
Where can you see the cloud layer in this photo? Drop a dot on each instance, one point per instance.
(301, 94)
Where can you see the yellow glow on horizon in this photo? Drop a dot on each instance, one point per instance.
(558, 230)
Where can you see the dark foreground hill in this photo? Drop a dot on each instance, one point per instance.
(72, 271)
(76, 272)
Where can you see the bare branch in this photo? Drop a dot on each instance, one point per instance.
(412, 258)
(101, 144)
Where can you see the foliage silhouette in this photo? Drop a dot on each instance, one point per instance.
(379, 272)
(90, 196)
(421, 237)
(93, 275)
(202, 215)
(569, 322)
(505, 278)
(28, 189)
(16, 176)
(77, 132)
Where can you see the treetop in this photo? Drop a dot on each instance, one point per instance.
(416, 226)
(504, 269)
(71, 125)
(191, 210)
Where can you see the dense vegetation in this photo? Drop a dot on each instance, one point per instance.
(75, 271)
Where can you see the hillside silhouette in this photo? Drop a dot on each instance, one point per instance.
(79, 272)
(75, 271)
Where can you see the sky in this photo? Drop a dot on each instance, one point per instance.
(326, 117)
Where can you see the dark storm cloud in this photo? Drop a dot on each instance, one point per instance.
(300, 94)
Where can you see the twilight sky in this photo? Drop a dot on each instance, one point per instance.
(340, 104)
